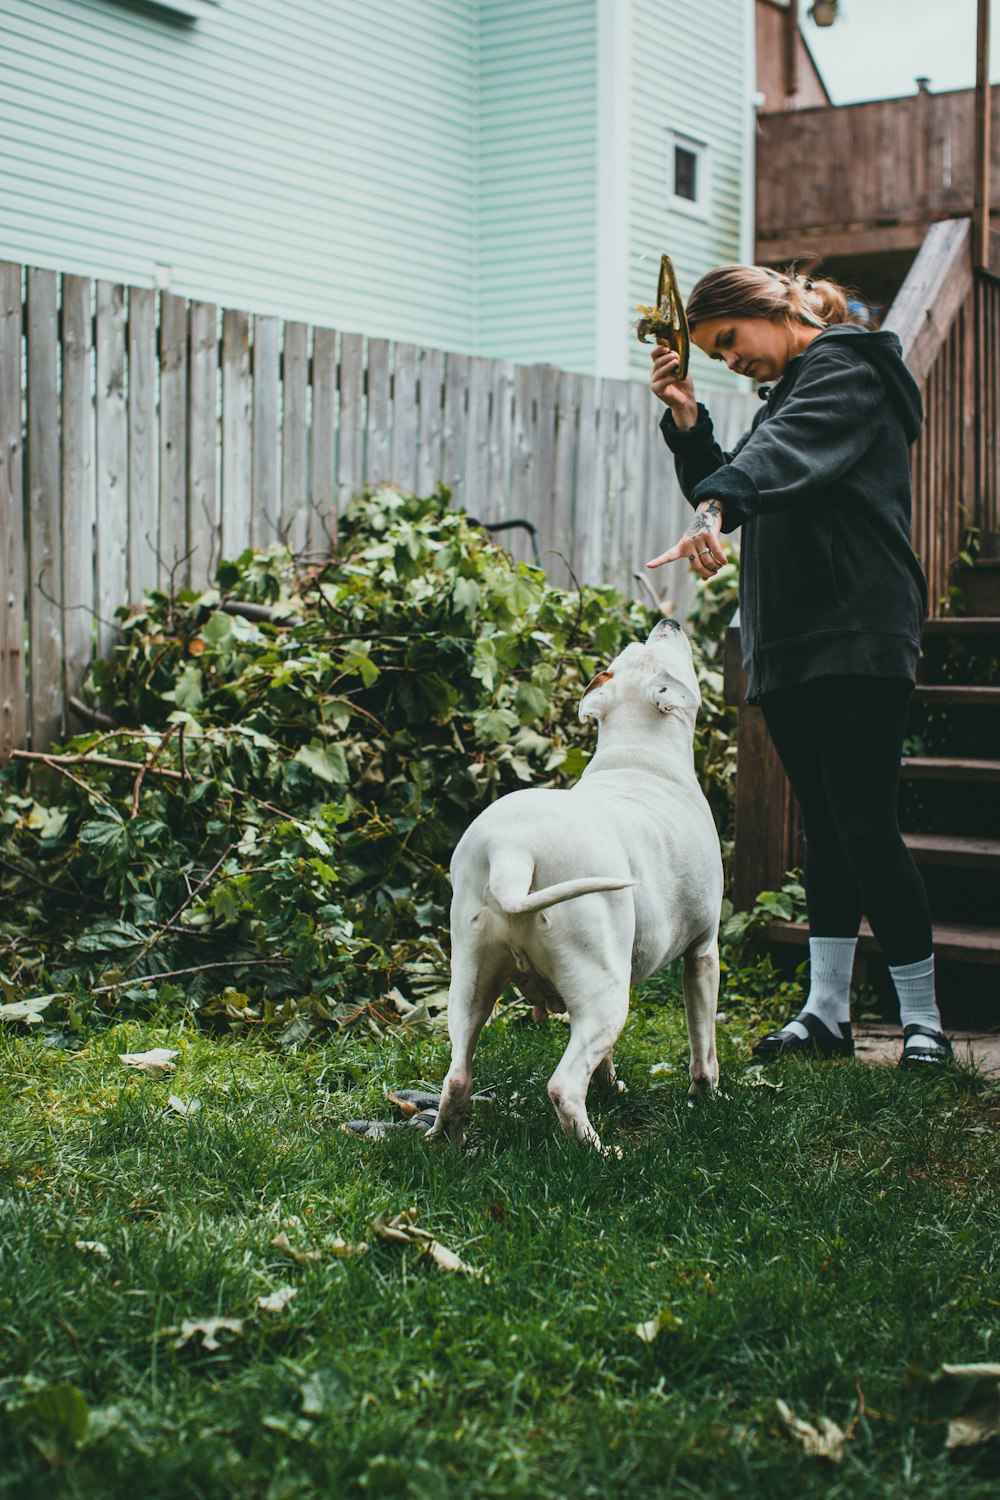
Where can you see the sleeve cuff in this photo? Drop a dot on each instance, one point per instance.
(678, 439)
(736, 489)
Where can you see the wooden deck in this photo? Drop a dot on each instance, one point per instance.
(855, 179)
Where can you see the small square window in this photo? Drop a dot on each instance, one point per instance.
(688, 174)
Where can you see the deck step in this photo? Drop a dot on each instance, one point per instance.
(963, 941)
(981, 697)
(949, 625)
(943, 768)
(954, 849)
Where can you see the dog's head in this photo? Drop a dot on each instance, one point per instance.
(660, 672)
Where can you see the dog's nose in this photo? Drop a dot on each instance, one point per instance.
(660, 629)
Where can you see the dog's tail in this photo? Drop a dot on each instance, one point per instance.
(510, 881)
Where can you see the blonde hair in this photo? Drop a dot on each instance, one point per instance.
(760, 292)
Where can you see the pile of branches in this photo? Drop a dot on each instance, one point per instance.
(259, 824)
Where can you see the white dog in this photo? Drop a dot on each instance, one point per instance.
(577, 895)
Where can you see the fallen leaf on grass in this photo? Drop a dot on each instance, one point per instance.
(277, 1301)
(969, 1397)
(183, 1107)
(29, 1011)
(337, 1246)
(665, 1318)
(826, 1441)
(94, 1246)
(402, 1228)
(304, 1257)
(756, 1080)
(209, 1328)
(158, 1060)
(301, 1257)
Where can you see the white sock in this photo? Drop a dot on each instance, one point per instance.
(831, 963)
(917, 998)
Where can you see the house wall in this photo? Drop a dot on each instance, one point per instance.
(486, 176)
(538, 181)
(315, 160)
(689, 74)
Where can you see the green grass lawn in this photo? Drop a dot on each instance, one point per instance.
(830, 1230)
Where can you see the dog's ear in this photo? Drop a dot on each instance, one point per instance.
(597, 696)
(667, 693)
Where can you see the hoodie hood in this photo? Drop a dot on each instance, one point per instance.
(885, 352)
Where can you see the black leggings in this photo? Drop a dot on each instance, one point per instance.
(840, 740)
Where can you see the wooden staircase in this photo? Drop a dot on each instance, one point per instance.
(949, 811)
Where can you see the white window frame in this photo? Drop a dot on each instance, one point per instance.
(701, 206)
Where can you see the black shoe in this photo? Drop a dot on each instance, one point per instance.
(821, 1041)
(922, 1057)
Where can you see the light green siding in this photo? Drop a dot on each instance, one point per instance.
(538, 180)
(689, 70)
(315, 160)
(487, 176)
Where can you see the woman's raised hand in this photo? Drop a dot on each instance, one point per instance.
(677, 394)
(700, 544)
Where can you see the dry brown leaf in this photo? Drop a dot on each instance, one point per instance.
(665, 1318)
(972, 1395)
(158, 1060)
(402, 1228)
(301, 1257)
(337, 1246)
(183, 1107)
(826, 1441)
(209, 1328)
(277, 1301)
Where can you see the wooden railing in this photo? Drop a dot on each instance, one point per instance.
(142, 437)
(948, 321)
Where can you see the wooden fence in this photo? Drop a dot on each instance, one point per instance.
(143, 437)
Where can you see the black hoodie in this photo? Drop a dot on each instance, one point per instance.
(829, 583)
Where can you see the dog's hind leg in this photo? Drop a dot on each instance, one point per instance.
(471, 997)
(596, 1021)
(701, 998)
(607, 1074)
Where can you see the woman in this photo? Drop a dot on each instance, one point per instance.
(832, 603)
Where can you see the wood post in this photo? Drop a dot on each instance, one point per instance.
(767, 837)
(981, 201)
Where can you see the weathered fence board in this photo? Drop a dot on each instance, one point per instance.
(322, 453)
(172, 548)
(110, 473)
(77, 475)
(203, 443)
(265, 505)
(350, 457)
(293, 525)
(429, 401)
(13, 707)
(44, 520)
(175, 435)
(143, 466)
(236, 432)
(379, 411)
(403, 463)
